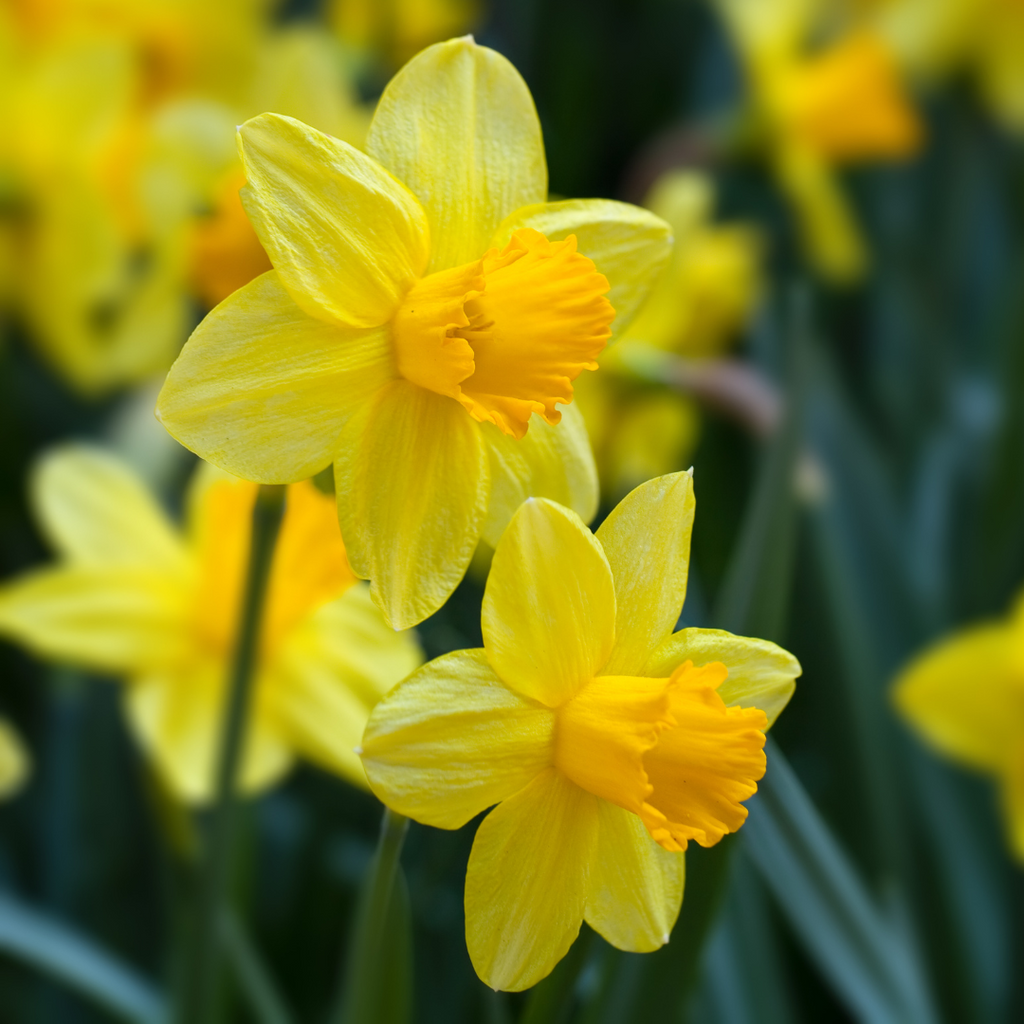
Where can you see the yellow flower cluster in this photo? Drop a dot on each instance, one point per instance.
(118, 171)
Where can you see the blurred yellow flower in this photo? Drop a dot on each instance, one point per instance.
(15, 763)
(819, 109)
(401, 28)
(699, 305)
(607, 741)
(119, 160)
(965, 696)
(134, 597)
(425, 302)
(940, 37)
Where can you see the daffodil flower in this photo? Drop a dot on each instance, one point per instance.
(425, 303)
(842, 103)
(965, 696)
(15, 763)
(607, 741)
(133, 597)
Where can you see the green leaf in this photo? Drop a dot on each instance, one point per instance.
(869, 962)
(60, 951)
(378, 977)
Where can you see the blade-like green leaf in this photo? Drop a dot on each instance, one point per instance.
(868, 961)
(60, 951)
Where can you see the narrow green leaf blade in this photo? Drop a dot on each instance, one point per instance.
(872, 969)
(60, 951)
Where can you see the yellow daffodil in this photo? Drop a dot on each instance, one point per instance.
(703, 299)
(132, 596)
(14, 760)
(425, 303)
(940, 37)
(965, 695)
(821, 108)
(607, 741)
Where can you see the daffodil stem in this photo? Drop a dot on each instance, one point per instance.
(365, 972)
(202, 964)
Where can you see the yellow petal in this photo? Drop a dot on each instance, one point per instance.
(346, 238)
(847, 102)
(15, 762)
(527, 881)
(457, 125)
(636, 886)
(176, 716)
(553, 462)
(1012, 799)
(647, 540)
(761, 674)
(351, 636)
(629, 245)
(330, 673)
(548, 614)
(96, 512)
(452, 740)
(264, 391)
(112, 619)
(827, 223)
(966, 695)
(412, 484)
(704, 767)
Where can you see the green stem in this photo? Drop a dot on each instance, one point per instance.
(365, 960)
(257, 984)
(202, 966)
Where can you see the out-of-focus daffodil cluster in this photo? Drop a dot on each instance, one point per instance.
(816, 107)
(135, 597)
(118, 171)
(701, 303)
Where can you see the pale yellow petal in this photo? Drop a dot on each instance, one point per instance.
(966, 695)
(636, 886)
(346, 238)
(264, 391)
(629, 245)
(457, 125)
(176, 717)
(553, 462)
(647, 540)
(113, 619)
(412, 484)
(330, 673)
(548, 614)
(761, 674)
(527, 881)
(452, 740)
(95, 511)
(15, 762)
